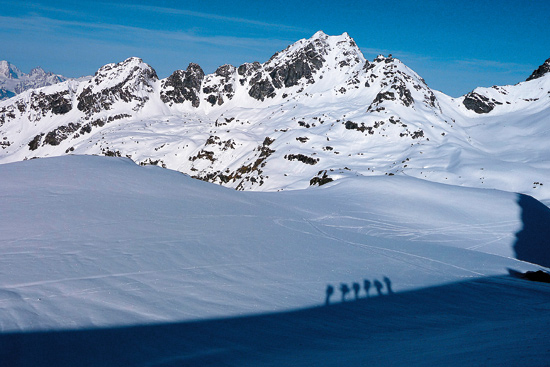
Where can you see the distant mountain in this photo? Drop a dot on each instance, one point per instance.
(13, 81)
(311, 114)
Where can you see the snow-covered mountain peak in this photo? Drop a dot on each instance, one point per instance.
(319, 48)
(132, 68)
(129, 82)
(38, 72)
(8, 70)
(182, 86)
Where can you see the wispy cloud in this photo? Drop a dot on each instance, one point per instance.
(410, 57)
(39, 23)
(212, 16)
(503, 66)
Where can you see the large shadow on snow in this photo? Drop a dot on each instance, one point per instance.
(459, 322)
(533, 240)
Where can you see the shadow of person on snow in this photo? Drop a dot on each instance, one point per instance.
(378, 286)
(533, 240)
(345, 290)
(366, 286)
(388, 285)
(356, 288)
(330, 292)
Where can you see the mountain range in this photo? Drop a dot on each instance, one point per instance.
(13, 81)
(314, 112)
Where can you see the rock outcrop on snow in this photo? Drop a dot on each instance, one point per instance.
(541, 70)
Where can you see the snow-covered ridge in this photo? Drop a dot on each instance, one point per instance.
(313, 113)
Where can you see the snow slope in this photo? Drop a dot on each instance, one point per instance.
(107, 263)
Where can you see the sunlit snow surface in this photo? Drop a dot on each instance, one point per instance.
(94, 243)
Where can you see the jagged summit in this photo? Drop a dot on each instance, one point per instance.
(541, 70)
(117, 72)
(130, 82)
(287, 73)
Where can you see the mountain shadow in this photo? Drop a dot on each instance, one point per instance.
(533, 240)
(457, 324)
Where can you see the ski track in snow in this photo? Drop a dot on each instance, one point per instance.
(385, 251)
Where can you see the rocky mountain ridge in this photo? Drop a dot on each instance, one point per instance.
(315, 112)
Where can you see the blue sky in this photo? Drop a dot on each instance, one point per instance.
(454, 45)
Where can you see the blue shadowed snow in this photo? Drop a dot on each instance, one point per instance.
(494, 321)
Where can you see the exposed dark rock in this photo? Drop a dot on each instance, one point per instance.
(212, 99)
(478, 103)
(220, 86)
(404, 94)
(43, 103)
(150, 162)
(350, 125)
(321, 179)
(6, 112)
(248, 69)
(382, 96)
(225, 71)
(21, 106)
(430, 99)
(35, 142)
(541, 71)
(87, 128)
(185, 86)
(417, 134)
(267, 141)
(61, 133)
(303, 64)
(203, 154)
(111, 153)
(302, 158)
(261, 88)
(245, 172)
